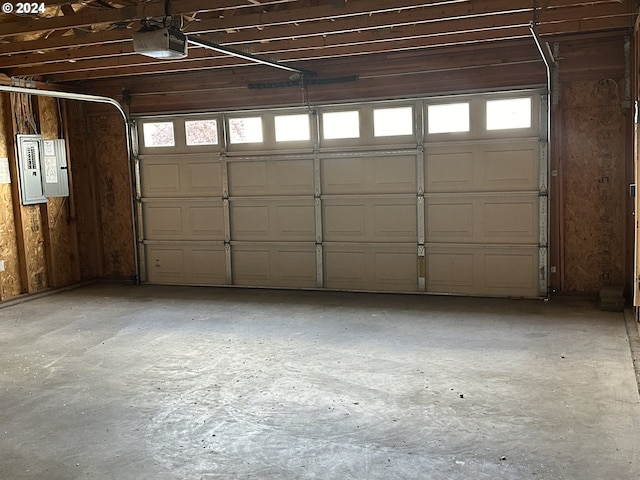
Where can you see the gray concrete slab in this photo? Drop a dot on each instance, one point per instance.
(115, 382)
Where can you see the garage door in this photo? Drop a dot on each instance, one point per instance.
(443, 195)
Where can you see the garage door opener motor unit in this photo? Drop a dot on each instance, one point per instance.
(160, 43)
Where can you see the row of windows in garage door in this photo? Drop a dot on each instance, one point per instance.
(296, 127)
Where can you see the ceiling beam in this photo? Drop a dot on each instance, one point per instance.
(200, 63)
(139, 11)
(343, 34)
(380, 20)
(364, 13)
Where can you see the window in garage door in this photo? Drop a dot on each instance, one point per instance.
(443, 195)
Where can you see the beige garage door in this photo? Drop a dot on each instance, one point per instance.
(440, 195)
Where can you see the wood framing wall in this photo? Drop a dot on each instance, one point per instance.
(67, 239)
(38, 243)
(99, 159)
(593, 135)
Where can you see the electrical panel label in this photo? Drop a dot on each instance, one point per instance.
(49, 148)
(50, 169)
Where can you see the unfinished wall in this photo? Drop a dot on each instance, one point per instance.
(594, 184)
(38, 242)
(59, 232)
(593, 161)
(101, 191)
(107, 133)
(86, 215)
(10, 281)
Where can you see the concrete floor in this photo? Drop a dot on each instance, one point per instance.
(115, 382)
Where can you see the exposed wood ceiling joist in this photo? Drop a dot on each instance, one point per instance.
(80, 40)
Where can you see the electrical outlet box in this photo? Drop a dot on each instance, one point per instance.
(1, 265)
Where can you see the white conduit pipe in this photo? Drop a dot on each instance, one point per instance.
(95, 99)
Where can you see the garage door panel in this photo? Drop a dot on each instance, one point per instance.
(163, 221)
(208, 265)
(449, 221)
(345, 269)
(363, 212)
(297, 268)
(168, 262)
(446, 270)
(207, 221)
(370, 267)
(247, 178)
(296, 222)
(343, 175)
(249, 222)
(482, 270)
(203, 178)
(160, 179)
(509, 271)
(376, 220)
(511, 169)
(483, 167)
(274, 265)
(181, 177)
(362, 175)
(396, 271)
(185, 264)
(394, 174)
(271, 177)
(274, 220)
(505, 219)
(510, 220)
(395, 222)
(251, 267)
(293, 177)
(452, 171)
(343, 222)
(183, 221)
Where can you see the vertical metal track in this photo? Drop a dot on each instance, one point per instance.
(543, 196)
(226, 217)
(137, 201)
(317, 193)
(420, 212)
(546, 102)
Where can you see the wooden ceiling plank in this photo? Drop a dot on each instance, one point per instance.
(84, 53)
(98, 38)
(293, 16)
(367, 8)
(423, 61)
(361, 9)
(296, 56)
(281, 44)
(140, 11)
(390, 21)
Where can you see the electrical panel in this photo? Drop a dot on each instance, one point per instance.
(43, 169)
(56, 177)
(29, 162)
